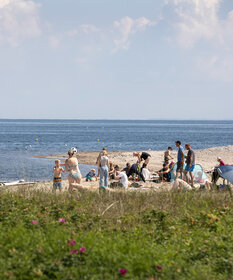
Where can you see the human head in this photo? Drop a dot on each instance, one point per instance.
(104, 152)
(93, 170)
(128, 165)
(144, 165)
(116, 167)
(72, 151)
(57, 162)
(135, 154)
(169, 148)
(218, 159)
(104, 149)
(187, 146)
(178, 143)
(164, 165)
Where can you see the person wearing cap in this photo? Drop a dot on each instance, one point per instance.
(90, 175)
(221, 163)
(71, 166)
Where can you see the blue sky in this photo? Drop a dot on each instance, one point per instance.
(88, 59)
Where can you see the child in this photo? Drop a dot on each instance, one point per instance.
(90, 175)
(57, 180)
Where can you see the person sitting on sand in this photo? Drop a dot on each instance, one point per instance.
(127, 168)
(167, 155)
(57, 180)
(122, 177)
(104, 166)
(202, 181)
(164, 173)
(190, 163)
(71, 166)
(219, 160)
(98, 159)
(142, 156)
(135, 169)
(91, 175)
(145, 172)
(111, 171)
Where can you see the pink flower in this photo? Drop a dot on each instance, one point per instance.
(122, 271)
(71, 242)
(159, 267)
(82, 250)
(62, 220)
(34, 222)
(74, 251)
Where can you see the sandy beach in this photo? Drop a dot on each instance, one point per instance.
(205, 157)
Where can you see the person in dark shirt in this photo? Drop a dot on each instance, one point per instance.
(190, 163)
(136, 169)
(127, 168)
(142, 156)
(164, 173)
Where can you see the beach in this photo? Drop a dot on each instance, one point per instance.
(207, 158)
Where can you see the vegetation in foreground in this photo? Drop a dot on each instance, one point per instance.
(183, 235)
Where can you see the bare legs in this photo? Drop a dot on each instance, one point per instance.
(74, 184)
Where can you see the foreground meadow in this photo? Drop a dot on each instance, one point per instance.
(183, 235)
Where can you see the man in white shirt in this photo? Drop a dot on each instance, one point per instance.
(122, 177)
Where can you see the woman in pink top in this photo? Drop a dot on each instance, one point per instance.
(221, 163)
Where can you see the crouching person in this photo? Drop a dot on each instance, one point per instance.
(121, 177)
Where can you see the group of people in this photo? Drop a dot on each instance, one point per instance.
(138, 171)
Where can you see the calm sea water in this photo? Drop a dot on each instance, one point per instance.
(18, 144)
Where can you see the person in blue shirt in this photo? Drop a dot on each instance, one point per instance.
(180, 160)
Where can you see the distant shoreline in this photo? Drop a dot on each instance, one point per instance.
(206, 157)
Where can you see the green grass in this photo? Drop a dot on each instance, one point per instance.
(183, 235)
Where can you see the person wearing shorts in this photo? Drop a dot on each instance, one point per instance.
(190, 163)
(180, 160)
(142, 156)
(57, 180)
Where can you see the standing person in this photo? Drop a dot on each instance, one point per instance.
(57, 180)
(180, 160)
(98, 160)
(142, 156)
(190, 163)
(71, 166)
(104, 165)
(167, 155)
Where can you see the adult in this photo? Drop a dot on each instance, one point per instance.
(180, 160)
(164, 173)
(122, 177)
(220, 162)
(167, 155)
(71, 166)
(104, 166)
(142, 156)
(190, 163)
(98, 159)
(136, 169)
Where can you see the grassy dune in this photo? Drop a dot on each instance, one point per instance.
(183, 235)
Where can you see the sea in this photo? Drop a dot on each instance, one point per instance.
(22, 140)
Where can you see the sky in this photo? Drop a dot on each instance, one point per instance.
(116, 59)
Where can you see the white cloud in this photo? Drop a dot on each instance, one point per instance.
(126, 27)
(198, 20)
(19, 19)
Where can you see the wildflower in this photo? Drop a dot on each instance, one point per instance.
(82, 250)
(122, 271)
(159, 267)
(34, 222)
(71, 242)
(74, 251)
(62, 220)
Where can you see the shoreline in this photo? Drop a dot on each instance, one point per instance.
(205, 157)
